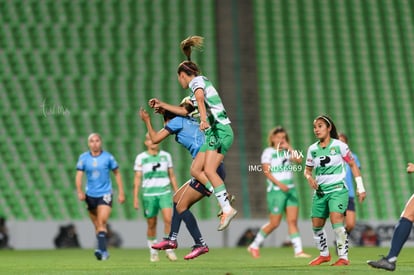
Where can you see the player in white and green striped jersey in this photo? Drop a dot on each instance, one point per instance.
(327, 159)
(213, 121)
(154, 176)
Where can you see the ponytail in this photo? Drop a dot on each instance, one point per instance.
(189, 67)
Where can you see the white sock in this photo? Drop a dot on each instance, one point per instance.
(223, 200)
(321, 242)
(296, 243)
(341, 242)
(260, 237)
(151, 242)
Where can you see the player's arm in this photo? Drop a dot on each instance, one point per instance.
(118, 179)
(268, 174)
(199, 95)
(357, 175)
(173, 179)
(308, 175)
(79, 191)
(410, 167)
(157, 104)
(156, 137)
(137, 185)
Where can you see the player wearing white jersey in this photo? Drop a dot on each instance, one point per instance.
(213, 121)
(327, 159)
(278, 162)
(154, 176)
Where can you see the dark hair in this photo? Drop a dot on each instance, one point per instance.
(274, 131)
(328, 121)
(168, 115)
(189, 67)
(343, 136)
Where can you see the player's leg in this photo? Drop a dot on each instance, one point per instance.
(150, 210)
(103, 211)
(319, 214)
(292, 213)
(338, 203)
(350, 216)
(401, 233)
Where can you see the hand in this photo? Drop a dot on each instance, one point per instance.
(121, 197)
(136, 203)
(81, 196)
(155, 103)
(144, 115)
(361, 196)
(283, 187)
(204, 125)
(410, 167)
(312, 183)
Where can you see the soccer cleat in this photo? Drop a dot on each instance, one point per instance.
(340, 262)
(101, 255)
(197, 251)
(232, 199)
(226, 219)
(165, 244)
(254, 252)
(171, 255)
(320, 259)
(302, 255)
(382, 263)
(154, 257)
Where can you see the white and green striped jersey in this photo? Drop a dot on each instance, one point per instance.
(280, 167)
(154, 168)
(214, 106)
(328, 163)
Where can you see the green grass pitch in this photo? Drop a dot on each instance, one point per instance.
(217, 261)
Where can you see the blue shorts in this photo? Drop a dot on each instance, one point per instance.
(93, 203)
(351, 204)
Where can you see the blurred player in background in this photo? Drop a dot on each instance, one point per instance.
(213, 121)
(189, 135)
(154, 176)
(350, 217)
(97, 165)
(327, 157)
(278, 161)
(401, 233)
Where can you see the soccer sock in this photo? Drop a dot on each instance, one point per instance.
(221, 195)
(101, 236)
(192, 227)
(150, 242)
(209, 187)
(260, 237)
(341, 240)
(399, 237)
(175, 224)
(319, 236)
(296, 242)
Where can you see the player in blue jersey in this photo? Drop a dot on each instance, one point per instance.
(97, 165)
(401, 233)
(187, 134)
(350, 217)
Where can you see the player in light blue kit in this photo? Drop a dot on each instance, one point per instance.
(350, 217)
(97, 165)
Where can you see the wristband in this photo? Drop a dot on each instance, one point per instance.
(360, 185)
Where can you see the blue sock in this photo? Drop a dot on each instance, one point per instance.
(192, 227)
(101, 236)
(399, 237)
(175, 224)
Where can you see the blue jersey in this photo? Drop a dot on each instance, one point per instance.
(187, 133)
(349, 179)
(97, 169)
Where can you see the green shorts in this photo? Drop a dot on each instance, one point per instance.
(277, 201)
(336, 201)
(219, 137)
(152, 204)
